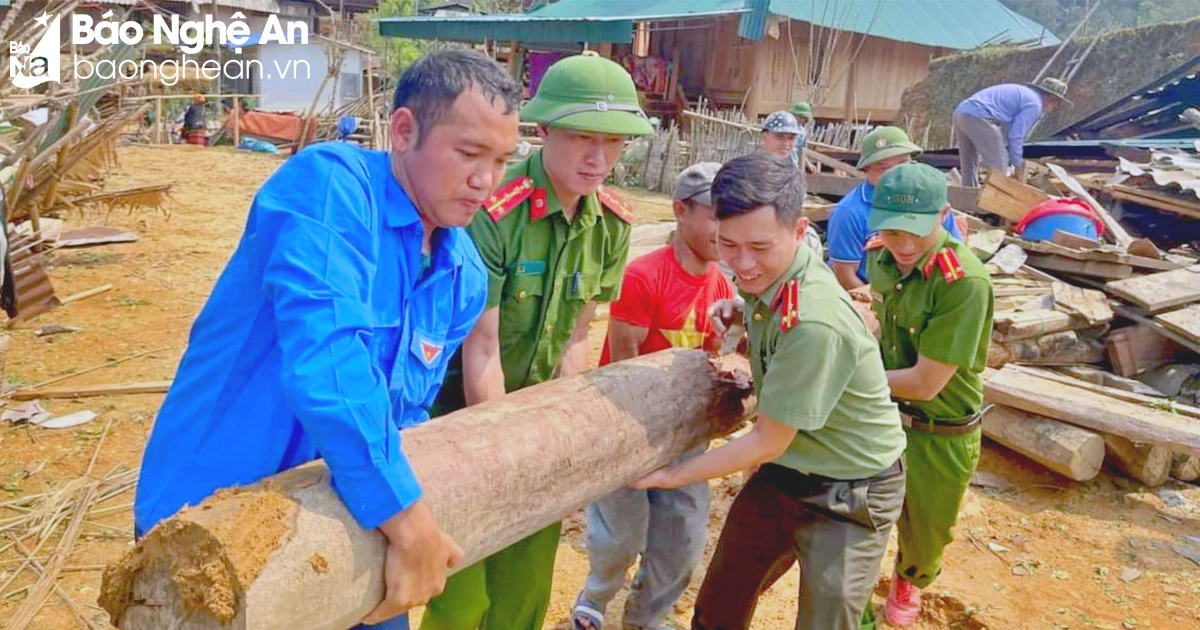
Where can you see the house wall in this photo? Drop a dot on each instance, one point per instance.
(291, 88)
(715, 62)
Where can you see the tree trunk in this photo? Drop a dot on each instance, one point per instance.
(1025, 389)
(1147, 463)
(1066, 449)
(284, 553)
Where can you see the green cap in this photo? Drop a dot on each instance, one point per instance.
(802, 110)
(908, 198)
(883, 143)
(588, 93)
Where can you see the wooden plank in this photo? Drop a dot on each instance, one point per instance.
(826, 184)
(1185, 322)
(145, 387)
(1093, 268)
(1024, 389)
(1006, 197)
(1113, 392)
(1139, 316)
(1140, 348)
(1066, 449)
(1074, 241)
(1089, 304)
(1060, 348)
(1105, 253)
(1155, 200)
(1160, 291)
(1014, 325)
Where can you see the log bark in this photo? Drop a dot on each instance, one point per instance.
(285, 554)
(1186, 468)
(1066, 449)
(1147, 463)
(1025, 389)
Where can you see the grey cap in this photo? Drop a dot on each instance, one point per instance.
(782, 122)
(695, 183)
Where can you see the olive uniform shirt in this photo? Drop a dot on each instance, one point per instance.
(942, 310)
(542, 270)
(817, 369)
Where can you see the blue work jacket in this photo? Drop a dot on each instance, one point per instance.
(324, 337)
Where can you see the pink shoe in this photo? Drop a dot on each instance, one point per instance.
(903, 603)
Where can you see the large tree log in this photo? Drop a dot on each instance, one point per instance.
(1047, 394)
(1186, 468)
(285, 554)
(1148, 463)
(1066, 449)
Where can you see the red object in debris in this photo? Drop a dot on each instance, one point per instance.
(196, 136)
(1057, 213)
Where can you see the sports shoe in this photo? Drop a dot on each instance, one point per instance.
(903, 603)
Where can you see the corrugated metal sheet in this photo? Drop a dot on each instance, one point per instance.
(1172, 170)
(960, 24)
(35, 293)
(509, 28)
(1152, 110)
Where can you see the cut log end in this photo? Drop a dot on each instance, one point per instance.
(208, 556)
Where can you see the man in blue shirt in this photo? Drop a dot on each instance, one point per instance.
(978, 123)
(331, 327)
(847, 236)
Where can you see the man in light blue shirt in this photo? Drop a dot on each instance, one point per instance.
(882, 149)
(331, 327)
(978, 123)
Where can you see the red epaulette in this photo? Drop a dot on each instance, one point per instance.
(875, 242)
(788, 303)
(503, 201)
(615, 204)
(947, 261)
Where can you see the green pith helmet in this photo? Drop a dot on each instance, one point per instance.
(884, 143)
(803, 111)
(588, 93)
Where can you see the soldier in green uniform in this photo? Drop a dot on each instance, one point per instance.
(827, 435)
(554, 242)
(933, 299)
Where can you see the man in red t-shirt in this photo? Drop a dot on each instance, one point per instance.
(664, 300)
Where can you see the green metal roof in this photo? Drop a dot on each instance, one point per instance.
(959, 24)
(509, 28)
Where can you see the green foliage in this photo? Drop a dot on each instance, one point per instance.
(1061, 16)
(395, 53)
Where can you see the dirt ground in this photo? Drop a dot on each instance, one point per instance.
(1033, 550)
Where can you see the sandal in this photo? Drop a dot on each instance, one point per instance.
(586, 615)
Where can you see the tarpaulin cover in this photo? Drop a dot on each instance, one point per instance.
(272, 126)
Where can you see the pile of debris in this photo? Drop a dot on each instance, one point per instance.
(1096, 345)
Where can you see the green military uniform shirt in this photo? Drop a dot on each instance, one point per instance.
(942, 310)
(817, 368)
(542, 270)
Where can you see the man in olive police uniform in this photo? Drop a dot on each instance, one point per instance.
(933, 299)
(554, 242)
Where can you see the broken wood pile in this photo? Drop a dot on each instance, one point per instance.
(1111, 328)
(1095, 353)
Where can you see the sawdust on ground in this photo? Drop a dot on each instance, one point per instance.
(1058, 549)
